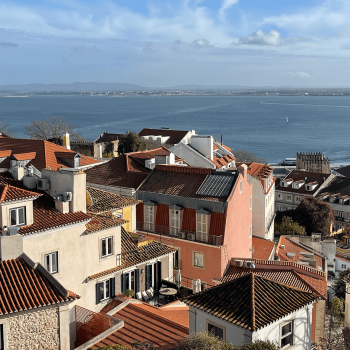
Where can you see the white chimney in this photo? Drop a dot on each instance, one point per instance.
(99, 152)
(204, 144)
(66, 141)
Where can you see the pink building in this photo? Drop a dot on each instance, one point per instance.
(205, 213)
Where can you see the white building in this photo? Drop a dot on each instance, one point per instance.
(241, 311)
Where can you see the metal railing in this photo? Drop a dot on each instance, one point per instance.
(179, 233)
(188, 282)
(177, 265)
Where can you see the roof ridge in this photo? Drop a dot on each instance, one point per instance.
(3, 195)
(252, 306)
(309, 284)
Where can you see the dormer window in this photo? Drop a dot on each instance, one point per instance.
(18, 216)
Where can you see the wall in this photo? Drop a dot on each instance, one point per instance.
(238, 220)
(347, 305)
(234, 335)
(302, 329)
(258, 208)
(37, 329)
(203, 144)
(5, 212)
(338, 265)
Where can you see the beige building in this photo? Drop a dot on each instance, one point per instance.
(314, 162)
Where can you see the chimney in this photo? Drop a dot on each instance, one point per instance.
(99, 152)
(11, 244)
(221, 140)
(66, 141)
(204, 144)
(242, 169)
(18, 172)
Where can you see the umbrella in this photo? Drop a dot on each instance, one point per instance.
(178, 278)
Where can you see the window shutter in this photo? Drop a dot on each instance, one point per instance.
(123, 283)
(159, 277)
(112, 285)
(137, 281)
(148, 276)
(98, 293)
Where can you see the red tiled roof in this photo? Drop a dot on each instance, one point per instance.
(263, 248)
(251, 301)
(344, 258)
(289, 277)
(175, 136)
(146, 323)
(103, 222)
(179, 181)
(293, 247)
(24, 288)
(5, 153)
(102, 201)
(25, 156)
(223, 161)
(10, 193)
(45, 153)
(44, 213)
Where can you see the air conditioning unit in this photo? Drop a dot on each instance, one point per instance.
(12, 231)
(239, 263)
(43, 184)
(182, 234)
(250, 264)
(191, 236)
(67, 196)
(58, 198)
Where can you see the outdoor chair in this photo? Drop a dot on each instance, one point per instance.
(138, 296)
(144, 296)
(149, 293)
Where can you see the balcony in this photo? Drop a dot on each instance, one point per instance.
(179, 234)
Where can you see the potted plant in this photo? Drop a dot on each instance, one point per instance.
(129, 293)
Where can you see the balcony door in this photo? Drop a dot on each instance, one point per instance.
(174, 222)
(149, 218)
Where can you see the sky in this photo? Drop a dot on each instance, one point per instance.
(162, 43)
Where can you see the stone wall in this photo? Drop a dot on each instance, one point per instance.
(34, 330)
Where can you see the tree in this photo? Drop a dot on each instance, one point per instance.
(259, 345)
(131, 142)
(314, 215)
(3, 129)
(52, 129)
(288, 226)
(245, 156)
(340, 285)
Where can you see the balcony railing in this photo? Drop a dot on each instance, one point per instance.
(179, 233)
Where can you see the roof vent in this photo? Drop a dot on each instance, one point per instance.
(291, 255)
(282, 246)
(250, 264)
(239, 263)
(67, 196)
(307, 255)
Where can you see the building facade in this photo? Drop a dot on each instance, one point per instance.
(313, 162)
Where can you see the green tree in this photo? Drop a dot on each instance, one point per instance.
(314, 215)
(259, 345)
(288, 226)
(340, 286)
(52, 129)
(131, 142)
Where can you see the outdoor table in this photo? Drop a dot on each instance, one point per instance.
(168, 292)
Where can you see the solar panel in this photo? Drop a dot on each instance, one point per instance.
(216, 185)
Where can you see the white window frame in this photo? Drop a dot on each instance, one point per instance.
(283, 324)
(49, 264)
(130, 273)
(240, 186)
(104, 283)
(202, 227)
(196, 260)
(297, 199)
(250, 203)
(118, 259)
(108, 253)
(174, 221)
(149, 217)
(16, 210)
(250, 231)
(289, 197)
(340, 214)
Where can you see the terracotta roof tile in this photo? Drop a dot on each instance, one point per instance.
(4, 154)
(23, 288)
(103, 201)
(175, 136)
(251, 301)
(10, 193)
(134, 255)
(25, 156)
(295, 248)
(44, 153)
(263, 248)
(149, 324)
(102, 222)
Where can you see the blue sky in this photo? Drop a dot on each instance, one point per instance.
(166, 43)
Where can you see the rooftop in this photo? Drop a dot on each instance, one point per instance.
(42, 154)
(23, 288)
(108, 137)
(99, 201)
(10, 194)
(175, 136)
(339, 187)
(345, 170)
(263, 248)
(246, 303)
(101, 222)
(199, 183)
(163, 327)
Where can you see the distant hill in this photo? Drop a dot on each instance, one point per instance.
(89, 86)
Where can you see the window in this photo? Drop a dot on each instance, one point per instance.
(149, 218)
(240, 186)
(51, 262)
(279, 196)
(250, 203)
(198, 259)
(343, 266)
(286, 334)
(18, 216)
(105, 290)
(202, 227)
(174, 221)
(215, 330)
(106, 246)
(297, 199)
(279, 208)
(250, 232)
(340, 214)
(119, 260)
(289, 198)
(154, 275)
(130, 280)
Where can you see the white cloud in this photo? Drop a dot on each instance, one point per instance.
(272, 38)
(201, 43)
(225, 5)
(302, 75)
